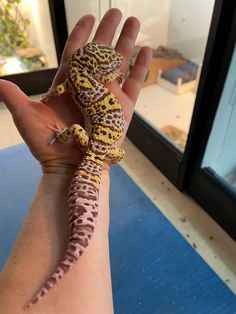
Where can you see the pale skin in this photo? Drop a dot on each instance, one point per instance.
(86, 289)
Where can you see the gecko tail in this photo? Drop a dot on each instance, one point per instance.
(83, 212)
(67, 262)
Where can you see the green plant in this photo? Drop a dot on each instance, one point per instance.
(13, 27)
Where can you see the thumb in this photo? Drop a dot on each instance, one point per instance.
(13, 97)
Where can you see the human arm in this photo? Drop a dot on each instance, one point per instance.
(42, 241)
(39, 248)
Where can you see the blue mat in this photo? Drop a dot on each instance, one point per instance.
(154, 270)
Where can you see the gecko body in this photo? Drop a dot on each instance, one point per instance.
(89, 69)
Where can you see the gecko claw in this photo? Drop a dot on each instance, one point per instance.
(45, 98)
(52, 141)
(58, 131)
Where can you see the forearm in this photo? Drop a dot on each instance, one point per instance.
(39, 248)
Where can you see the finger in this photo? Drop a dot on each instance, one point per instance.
(126, 41)
(78, 38)
(137, 75)
(107, 27)
(13, 97)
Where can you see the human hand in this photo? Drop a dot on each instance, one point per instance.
(32, 117)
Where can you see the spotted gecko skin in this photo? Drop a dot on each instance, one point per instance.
(89, 69)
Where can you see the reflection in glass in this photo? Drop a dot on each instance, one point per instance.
(177, 30)
(26, 37)
(220, 154)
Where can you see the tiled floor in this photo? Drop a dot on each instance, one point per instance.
(205, 236)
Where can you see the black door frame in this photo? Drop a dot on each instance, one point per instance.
(216, 63)
(216, 196)
(184, 170)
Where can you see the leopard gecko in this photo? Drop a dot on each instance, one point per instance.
(89, 70)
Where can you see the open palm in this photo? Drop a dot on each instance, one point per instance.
(32, 118)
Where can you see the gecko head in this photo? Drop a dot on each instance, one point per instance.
(103, 57)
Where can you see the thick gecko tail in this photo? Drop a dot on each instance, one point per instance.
(83, 212)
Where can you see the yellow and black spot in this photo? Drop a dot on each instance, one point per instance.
(105, 134)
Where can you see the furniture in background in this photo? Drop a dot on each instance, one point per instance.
(163, 59)
(181, 79)
(171, 70)
(160, 64)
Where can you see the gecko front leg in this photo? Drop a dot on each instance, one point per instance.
(80, 135)
(54, 92)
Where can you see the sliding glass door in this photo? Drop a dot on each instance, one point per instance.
(181, 34)
(209, 165)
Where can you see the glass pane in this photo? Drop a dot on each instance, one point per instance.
(220, 154)
(177, 30)
(26, 37)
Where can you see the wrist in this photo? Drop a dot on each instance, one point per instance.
(63, 170)
(66, 169)
(56, 181)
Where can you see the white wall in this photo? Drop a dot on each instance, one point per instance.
(75, 9)
(189, 26)
(154, 16)
(180, 24)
